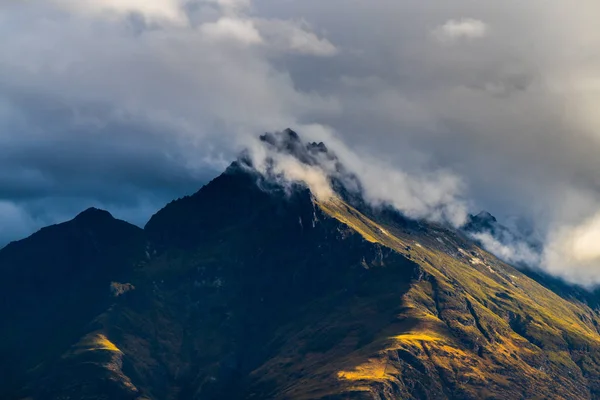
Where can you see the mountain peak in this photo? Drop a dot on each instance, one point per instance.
(93, 214)
(289, 142)
(483, 222)
(287, 136)
(485, 216)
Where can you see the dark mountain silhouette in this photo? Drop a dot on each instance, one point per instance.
(55, 282)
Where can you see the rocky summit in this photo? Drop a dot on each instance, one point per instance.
(251, 289)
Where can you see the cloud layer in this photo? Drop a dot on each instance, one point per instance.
(126, 104)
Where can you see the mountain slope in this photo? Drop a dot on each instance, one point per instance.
(482, 328)
(252, 290)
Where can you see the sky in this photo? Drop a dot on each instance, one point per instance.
(441, 108)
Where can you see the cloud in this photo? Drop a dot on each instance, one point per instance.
(230, 6)
(284, 157)
(156, 10)
(509, 249)
(312, 176)
(430, 194)
(228, 28)
(572, 252)
(295, 37)
(465, 28)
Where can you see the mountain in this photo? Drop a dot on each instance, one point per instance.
(53, 284)
(254, 289)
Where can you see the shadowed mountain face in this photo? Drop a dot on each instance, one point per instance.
(54, 283)
(249, 290)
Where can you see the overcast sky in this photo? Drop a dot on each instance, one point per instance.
(455, 105)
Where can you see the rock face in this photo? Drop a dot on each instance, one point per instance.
(247, 290)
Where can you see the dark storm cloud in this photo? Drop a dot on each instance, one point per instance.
(58, 159)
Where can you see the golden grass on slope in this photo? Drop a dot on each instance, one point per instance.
(418, 337)
(95, 342)
(368, 229)
(373, 370)
(350, 217)
(429, 346)
(101, 342)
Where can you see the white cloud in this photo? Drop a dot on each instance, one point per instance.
(573, 252)
(434, 195)
(461, 29)
(312, 176)
(295, 37)
(227, 28)
(515, 251)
